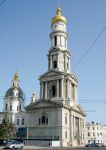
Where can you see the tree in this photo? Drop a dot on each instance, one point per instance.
(4, 128)
(12, 131)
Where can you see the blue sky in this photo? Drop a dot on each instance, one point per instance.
(24, 44)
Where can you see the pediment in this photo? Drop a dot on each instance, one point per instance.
(73, 76)
(79, 109)
(51, 73)
(42, 104)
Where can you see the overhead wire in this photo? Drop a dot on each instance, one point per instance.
(2, 2)
(89, 48)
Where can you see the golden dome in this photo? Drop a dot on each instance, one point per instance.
(16, 77)
(58, 17)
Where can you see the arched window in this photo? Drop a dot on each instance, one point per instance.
(17, 121)
(10, 107)
(6, 106)
(17, 108)
(20, 107)
(43, 119)
(23, 121)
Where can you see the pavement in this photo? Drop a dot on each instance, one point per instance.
(58, 148)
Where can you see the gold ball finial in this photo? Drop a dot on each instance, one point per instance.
(58, 12)
(58, 17)
(16, 77)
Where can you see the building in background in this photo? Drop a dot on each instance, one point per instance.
(95, 133)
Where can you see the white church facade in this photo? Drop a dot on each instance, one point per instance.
(57, 115)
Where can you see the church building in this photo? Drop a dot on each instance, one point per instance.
(13, 101)
(57, 115)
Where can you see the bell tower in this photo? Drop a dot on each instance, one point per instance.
(59, 83)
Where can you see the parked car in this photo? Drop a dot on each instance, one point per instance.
(87, 145)
(92, 145)
(101, 145)
(14, 144)
(2, 142)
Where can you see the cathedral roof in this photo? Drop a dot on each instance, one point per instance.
(20, 93)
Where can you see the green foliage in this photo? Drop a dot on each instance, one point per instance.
(12, 131)
(4, 128)
(7, 130)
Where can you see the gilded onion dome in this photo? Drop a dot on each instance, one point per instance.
(58, 17)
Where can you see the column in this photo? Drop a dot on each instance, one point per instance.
(70, 90)
(64, 62)
(73, 127)
(79, 129)
(69, 65)
(57, 88)
(42, 90)
(62, 91)
(58, 61)
(76, 93)
(50, 61)
(46, 90)
(67, 88)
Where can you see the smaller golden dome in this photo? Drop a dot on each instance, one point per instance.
(16, 77)
(58, 17)
(33, 93)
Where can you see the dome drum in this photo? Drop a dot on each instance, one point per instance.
(10, 93)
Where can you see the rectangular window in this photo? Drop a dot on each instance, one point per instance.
(93, 134)
(73, 91)
(59, 88)
(66, 134)
(44, 90)
(55, 40)
(53, 91)
(88, 134)
(17, 121)
(65, 119)
(6, 106)
(54, 64)
(17, 108)
(88, 141)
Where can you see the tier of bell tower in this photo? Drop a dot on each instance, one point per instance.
(58, 31)
(59, 55)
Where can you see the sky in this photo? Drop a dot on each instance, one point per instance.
(25, 26)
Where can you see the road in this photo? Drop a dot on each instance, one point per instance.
(58, 148)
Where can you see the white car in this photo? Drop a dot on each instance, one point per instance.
(14, 144)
